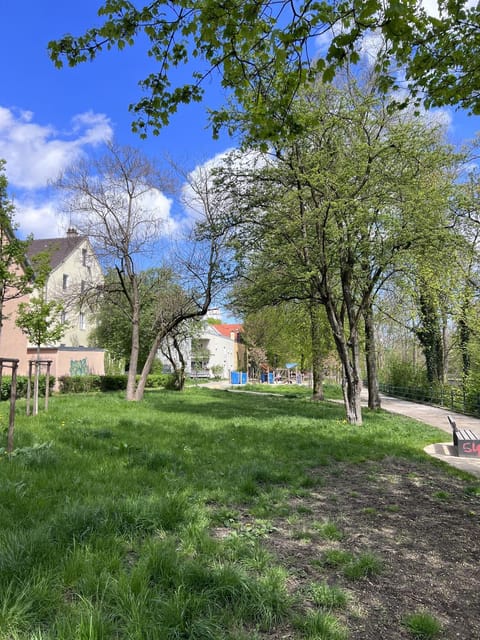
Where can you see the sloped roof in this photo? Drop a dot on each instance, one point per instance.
(226, 329)
(58, 248)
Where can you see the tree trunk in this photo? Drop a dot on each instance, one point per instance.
(430, 337)
(348, 353)
(371, 360)
(352, 385)
(179, 370)
(317, 356)
(135, 343)
(179, 378)
(147, 367)
(351, 397)
(132, 371)
(464, 336)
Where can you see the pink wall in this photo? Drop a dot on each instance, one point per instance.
(13, 343)
(69, 361)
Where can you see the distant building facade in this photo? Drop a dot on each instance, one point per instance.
(215, 351)
(74, 269)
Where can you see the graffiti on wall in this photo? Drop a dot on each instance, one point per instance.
(79, 367)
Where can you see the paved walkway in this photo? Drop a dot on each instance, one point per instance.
(437, 417)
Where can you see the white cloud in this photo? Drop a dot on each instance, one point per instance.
(41, 220)
(158, 209)
(200, 178)
(36, 153)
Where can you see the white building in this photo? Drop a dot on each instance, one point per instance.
(214, 352)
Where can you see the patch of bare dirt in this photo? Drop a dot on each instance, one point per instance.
(420, 521)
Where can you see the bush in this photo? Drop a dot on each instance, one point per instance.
(83, 384)
(22, 384)
(113, 383)
(79, 384)
(403, 374)
(157, 380)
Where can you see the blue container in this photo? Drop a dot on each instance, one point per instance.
(234, 377)
(271, 378)
(244, 377)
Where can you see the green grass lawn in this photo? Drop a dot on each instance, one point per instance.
(107, 512)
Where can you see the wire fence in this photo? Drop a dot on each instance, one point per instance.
(453, 398)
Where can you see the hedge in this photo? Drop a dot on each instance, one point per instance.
(82, 384)
(22, 383)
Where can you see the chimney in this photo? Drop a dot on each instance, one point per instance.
(72, 232)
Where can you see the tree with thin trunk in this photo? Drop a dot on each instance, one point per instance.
(374, 401)
(203, 262)
(115, 200)
(40, 319)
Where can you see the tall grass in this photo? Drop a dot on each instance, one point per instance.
(108, 509)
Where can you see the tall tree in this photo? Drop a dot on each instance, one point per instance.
(113, 329)
(203, 263)
(111, 199)
(353, 193)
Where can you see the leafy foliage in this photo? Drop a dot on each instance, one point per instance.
(266, 50)
(40, 320)
(22, 383)
(82, 384)
(331, 216)
(15, 271)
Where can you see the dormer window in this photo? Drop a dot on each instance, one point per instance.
(65, 282)
(84, 257)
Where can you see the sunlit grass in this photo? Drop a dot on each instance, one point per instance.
(107, 510)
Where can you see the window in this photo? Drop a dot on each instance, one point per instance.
(83, 286)
(65, 281)
(84, 257)
(81, 320)
(63, 317)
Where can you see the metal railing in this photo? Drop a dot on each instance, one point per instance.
(453, 398)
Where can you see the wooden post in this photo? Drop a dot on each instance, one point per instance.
(13, 398)
(13, 364)
(29, 386)
(47, 383)
(35, 387)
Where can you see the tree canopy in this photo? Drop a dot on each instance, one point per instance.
(16, 273)
(264, 50)
(329, 217)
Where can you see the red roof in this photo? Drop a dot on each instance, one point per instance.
(226, 329)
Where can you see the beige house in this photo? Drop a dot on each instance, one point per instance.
(74, 270)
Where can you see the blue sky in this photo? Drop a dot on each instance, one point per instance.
(49, 116)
